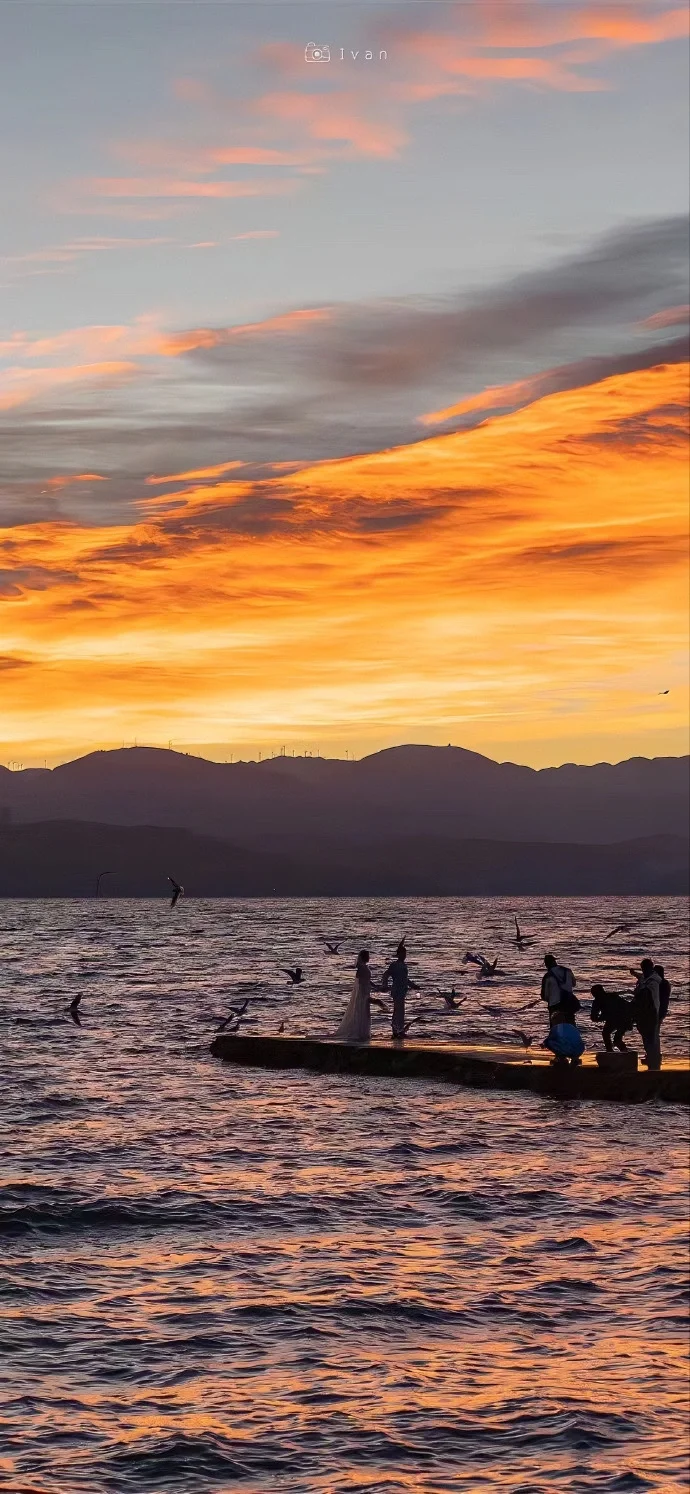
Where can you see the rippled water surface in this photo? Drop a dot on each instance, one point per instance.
(219, 1279)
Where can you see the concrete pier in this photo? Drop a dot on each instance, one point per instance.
(483, 1068)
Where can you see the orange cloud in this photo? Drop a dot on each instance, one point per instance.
(521, 583)
(291, 322)
(200, 472)
(56, 484)
(164, 186)
(497, 396)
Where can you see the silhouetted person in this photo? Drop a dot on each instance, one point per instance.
(610, 1008)
(664, 993)
(645, 1007)
(400, 983)
(557, 990)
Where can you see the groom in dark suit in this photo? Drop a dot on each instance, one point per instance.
(400, 983)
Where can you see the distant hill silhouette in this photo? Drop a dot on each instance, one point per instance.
(403, 792)
(63, 858)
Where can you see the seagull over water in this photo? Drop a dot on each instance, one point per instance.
(332, 948)
(295, 977)
(235, 1018)
(177, 891)
(520, 938)
(526, 1043)
(621, 928)
(524, 1039)
(451, 999)
(73, 1009)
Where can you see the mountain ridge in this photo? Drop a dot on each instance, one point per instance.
(415, 788)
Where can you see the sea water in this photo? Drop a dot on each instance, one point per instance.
(230, 1279)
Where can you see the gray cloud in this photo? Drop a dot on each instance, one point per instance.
(15, 582)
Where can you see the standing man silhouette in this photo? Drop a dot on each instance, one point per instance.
(400, 983)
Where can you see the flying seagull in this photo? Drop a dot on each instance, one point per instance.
(485, 968)
(281, 1028)
(526, 1043)
(524, 1039)
(663, 692)
(621, 928)
(332, 948)
(73, 1009)
(225, 1025)
(99, 879)
(295, 977)
(521, 938)
(177, 891)
(451, 999)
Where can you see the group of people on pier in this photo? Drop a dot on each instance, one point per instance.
(645, 1010)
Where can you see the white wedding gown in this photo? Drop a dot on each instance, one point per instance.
(356, 1024)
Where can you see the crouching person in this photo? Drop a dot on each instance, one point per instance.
(610, 1008)
(565, 1042)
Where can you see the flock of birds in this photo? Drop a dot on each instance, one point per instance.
(452, 1000)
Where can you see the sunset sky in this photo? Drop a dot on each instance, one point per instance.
(343, 403)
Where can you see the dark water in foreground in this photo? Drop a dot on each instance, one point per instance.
(226, 1280)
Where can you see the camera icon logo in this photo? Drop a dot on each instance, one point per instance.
(314, 53)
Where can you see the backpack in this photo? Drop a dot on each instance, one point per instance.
(664, 998)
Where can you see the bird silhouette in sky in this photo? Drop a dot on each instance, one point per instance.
(177, 891)
(663, 692)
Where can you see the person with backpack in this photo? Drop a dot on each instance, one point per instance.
(645, 1010)
(558, 991)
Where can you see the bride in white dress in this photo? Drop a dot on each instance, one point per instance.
(356, 1024)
